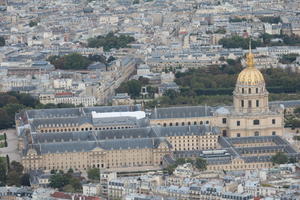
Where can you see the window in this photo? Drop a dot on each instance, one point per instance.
(195, 123)
(238, 135)
(273, 121)
(224, 120)
(274, 133)
(249, 91)
(243, 91)
(189, 123)
(249, 103)
(207, 122)
(256, 90)
(171, 124)
(182, 123)
(256, 122)
(176, 124)
(242, 103)
(224, 133)
(238, 123)
(256, 133)
(257, 103)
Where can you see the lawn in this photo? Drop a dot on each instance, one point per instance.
(1, 137)
(2, 145)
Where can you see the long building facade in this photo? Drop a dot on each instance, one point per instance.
(238, 137)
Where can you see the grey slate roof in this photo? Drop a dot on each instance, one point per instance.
(181, 112)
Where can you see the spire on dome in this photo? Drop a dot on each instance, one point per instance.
(250, 56)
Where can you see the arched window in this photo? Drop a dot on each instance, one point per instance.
(256, 133)
(182, 123)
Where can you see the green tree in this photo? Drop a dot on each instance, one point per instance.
(3, 171)
(110, 41)
(93, 174)
(33, 23)
(288, 58)
(136, 2)
(25, 180)
(16, 166)
(6, 99)
(110, 59)
(13, 178)
(4, 119)
(58, 180)
(12, 109)
(2, 41)
(132, 87)
(239, 42)
(279, 158)
(201, 164)
(72, 61)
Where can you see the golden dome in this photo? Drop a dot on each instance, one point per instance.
(250, 75)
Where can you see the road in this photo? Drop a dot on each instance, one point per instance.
(12, 145)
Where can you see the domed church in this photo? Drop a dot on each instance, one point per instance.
(250, 114)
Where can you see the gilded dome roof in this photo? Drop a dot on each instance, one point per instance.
(250, 75)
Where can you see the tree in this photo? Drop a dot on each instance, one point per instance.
(110, 41)
(72, 61)
(70, 171)
(94, 174)
(16, 166)
(7, 161)
(239, 42)
(132, 87)
(3, 171)
(110, 59)
(136, 2)
(288, 58)
(13, 178)
(98, 58)
(25, 180)
(201, 164)
(12, 109)
(33, 23)
(2, 41)
(279, 158)
(4, 119)
(58, 180)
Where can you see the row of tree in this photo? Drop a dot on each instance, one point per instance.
(66, 182)
(133, 88)
(282, 158)
(77, 61)
(12, 173)
(110, 41)
(264, 40)
(13, 102)
(214, 85)
(198, 163)
(70, 181)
